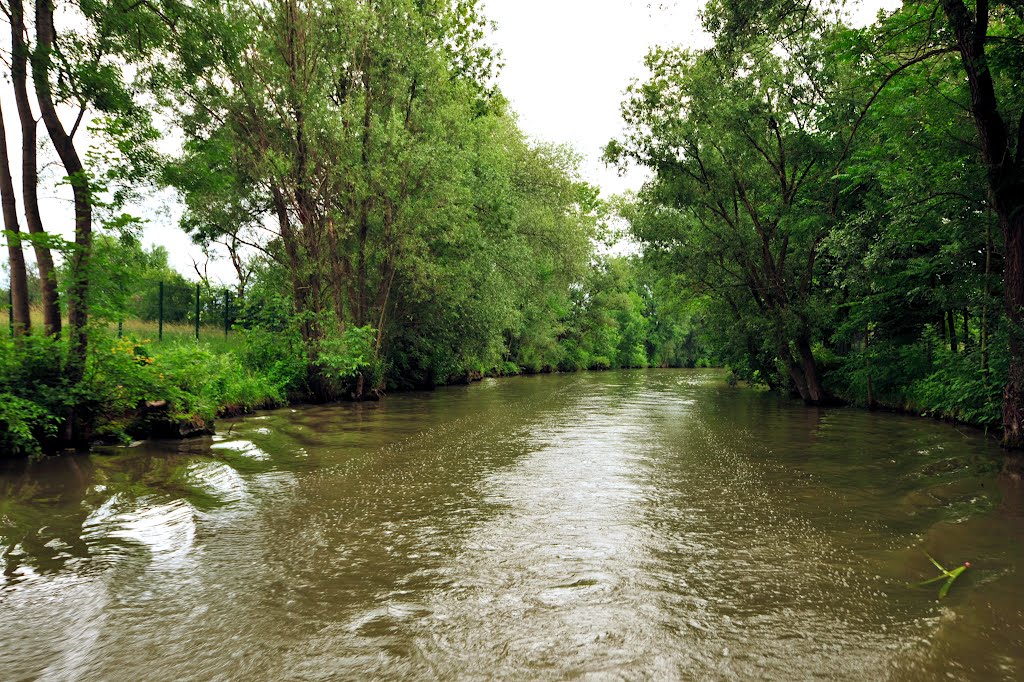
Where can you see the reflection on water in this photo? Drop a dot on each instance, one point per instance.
(165, 531)
(626, 524)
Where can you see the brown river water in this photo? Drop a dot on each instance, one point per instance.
(622, 525)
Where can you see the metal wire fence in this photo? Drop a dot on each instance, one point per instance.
(209, 312)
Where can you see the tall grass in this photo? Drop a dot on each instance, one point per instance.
(211, 334)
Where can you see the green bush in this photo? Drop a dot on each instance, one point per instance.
(24, 425)
(33, 394)
(344, 358)
(960, 390)
(278, 356)
(923, 376)
(574, 358)
(636, 357)
(206, 383)
(192, 379)
(530, 361)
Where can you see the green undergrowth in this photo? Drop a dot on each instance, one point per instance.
(137, 387)
(126, 379)
(927, 381)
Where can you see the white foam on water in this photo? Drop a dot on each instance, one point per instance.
(245, 448)
(218, 479)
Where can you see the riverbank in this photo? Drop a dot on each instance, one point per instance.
(136, 388)
(986, 427)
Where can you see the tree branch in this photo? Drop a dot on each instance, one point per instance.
(878, 91)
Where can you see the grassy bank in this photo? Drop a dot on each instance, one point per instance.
(137, 386)
(134, 387)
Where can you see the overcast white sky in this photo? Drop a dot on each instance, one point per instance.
(567, 64)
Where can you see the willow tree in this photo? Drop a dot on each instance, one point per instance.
(346, 122)
(744, 151)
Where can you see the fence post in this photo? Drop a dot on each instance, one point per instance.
(160, 333)
(10, 306)
(227, 312)
(197, 311)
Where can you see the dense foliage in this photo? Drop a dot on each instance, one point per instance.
(390, 225)
(834, 198)
(834, 212)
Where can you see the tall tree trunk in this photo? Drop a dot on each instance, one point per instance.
(1006, 189)
(967, 330)
(803, 371)
(338, 275)
(306, 302)
(387, 278)
(78, 288)
(29, 170)
(363, 302)
(311, 304)
(795, 372)
(19, 279)
(1013, 277)
(291, 250)
(954, 344)
(984, 308)
(810, 370)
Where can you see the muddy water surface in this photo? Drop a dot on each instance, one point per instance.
(620, 525)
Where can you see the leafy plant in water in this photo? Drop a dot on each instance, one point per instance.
(948, 576)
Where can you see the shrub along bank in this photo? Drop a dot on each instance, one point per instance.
(137, 387)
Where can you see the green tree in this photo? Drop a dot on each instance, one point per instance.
(986, 36)
(89, 70)
(20, 52)
(744, 150)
